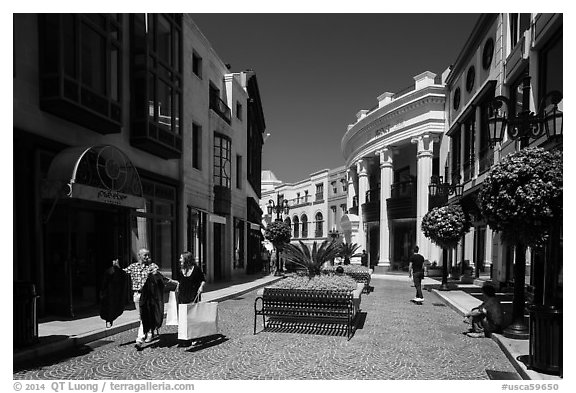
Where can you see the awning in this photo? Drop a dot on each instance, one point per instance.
(97, 173)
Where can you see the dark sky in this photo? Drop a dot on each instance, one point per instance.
(316, 71)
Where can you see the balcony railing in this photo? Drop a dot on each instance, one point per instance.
(299, 201)
(220, 107)
(403, 189)
(373, 195)
(319, 196)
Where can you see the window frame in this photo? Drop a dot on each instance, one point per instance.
(219, 167)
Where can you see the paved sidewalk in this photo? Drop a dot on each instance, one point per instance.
(59, 335)
(463, 301)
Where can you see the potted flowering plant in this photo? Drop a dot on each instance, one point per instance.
(279, 235)
(445, 226)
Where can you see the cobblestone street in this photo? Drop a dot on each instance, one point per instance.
(397, 340)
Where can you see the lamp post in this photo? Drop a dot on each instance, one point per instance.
(439, 186)
(281, 206)
(523, 126)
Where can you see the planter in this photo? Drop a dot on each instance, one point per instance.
(433, 272)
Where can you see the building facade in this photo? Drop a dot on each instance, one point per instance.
(316, 204)
(518, 56)
(129, 132)
(391, 151)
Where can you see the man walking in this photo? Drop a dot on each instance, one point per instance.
(139, 272)
(416, 270)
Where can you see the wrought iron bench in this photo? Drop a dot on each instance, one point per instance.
(306, 306)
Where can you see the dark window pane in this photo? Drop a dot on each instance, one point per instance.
(114, 73)
(93, 60)
(164, 105)
(164, 40)
(69, 30)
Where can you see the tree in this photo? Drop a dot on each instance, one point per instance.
(445, 226)
(279, 234)
(522, 198)
(348, 251)
(311, 260)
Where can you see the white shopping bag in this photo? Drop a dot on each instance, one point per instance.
(172, 310)
(197, 320)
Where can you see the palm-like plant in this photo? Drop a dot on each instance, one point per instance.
(348, 251)
(311, 260)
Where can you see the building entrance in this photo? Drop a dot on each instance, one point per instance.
(404, 239)
(81, 241)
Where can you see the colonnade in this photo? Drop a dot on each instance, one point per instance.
(358, 186)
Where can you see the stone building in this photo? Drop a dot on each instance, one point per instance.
(129, 132)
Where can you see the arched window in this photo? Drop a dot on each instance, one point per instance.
(304, 221)
(296, 226)
(288, 222)
(319, 224)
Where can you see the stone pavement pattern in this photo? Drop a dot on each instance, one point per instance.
(398, 341)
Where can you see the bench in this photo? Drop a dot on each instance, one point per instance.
(306, 306)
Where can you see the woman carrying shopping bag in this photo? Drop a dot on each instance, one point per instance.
(195, 319)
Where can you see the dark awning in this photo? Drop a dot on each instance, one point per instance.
(97, 173)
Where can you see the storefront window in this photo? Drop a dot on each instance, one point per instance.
(154, 227)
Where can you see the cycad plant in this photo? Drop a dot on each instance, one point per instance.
(311, 260)
(348, 251)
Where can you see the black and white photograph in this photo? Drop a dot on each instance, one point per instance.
(264, 198)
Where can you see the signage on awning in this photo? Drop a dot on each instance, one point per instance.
(97, 173)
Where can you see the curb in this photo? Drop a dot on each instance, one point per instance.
(56, 347)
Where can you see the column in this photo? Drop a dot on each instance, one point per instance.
(386, 178)
(362, 170)
(424, 155)
(351, 189)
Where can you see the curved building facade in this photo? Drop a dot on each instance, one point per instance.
(391, 152)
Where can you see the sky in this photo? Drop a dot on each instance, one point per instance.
(316, 71)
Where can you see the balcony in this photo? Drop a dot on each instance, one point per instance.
(371, 209)
(319, 197)
(354, 208)
(402, 201)
(300, 201)
(220, 107)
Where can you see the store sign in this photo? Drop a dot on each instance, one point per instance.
(96, 194)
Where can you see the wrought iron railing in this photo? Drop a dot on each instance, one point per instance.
(373, 195)
(403, 189)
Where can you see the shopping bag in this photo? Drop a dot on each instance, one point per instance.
(197, 320)
(172, 310)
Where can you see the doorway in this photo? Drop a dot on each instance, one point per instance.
(218, 250)
(404, 239)
(81, 240)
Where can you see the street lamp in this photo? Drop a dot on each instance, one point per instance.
(526, 124)
(281, 206)
(438, 187)
(523, 126)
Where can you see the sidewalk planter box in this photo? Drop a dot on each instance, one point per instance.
(433, 272)
(360, 274)
(308, 307)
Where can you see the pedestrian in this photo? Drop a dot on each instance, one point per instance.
(364, 258)
(139, 272)
(416, 271)
(190, 279)
(487, 318)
